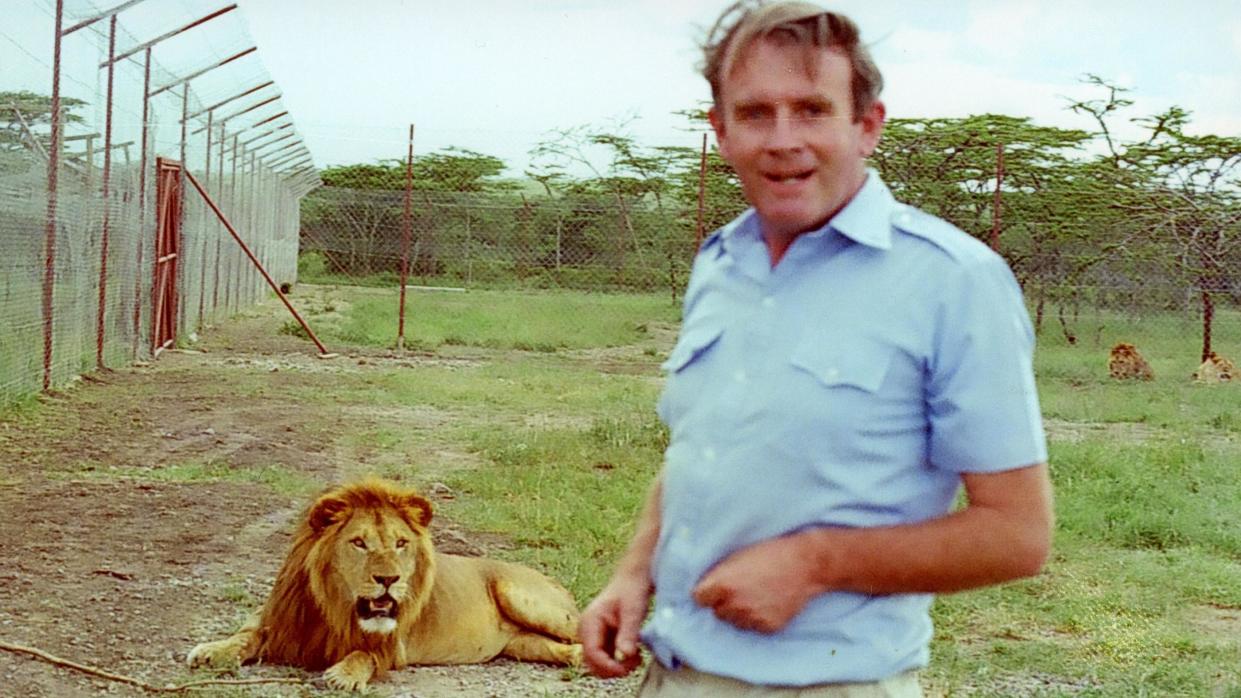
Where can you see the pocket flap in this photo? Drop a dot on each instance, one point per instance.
(864, 367)
(691, 344)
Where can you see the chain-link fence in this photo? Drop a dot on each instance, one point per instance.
(105, 261)
(495, 240)
(1107, 238)
(1107, 241)
(1100, 244)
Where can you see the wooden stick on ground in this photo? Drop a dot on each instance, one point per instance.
(99, 673)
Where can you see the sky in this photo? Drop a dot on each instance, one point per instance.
(499, 76)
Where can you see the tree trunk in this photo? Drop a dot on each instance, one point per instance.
(1038, 312)
(1208, 315)
(1064, 326)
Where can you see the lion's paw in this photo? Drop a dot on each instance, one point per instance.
(350, 674)
(219, 654)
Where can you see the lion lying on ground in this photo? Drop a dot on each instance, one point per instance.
(1125, 362)
(1216, 369)
(362, 591)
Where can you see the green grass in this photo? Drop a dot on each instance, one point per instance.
(1074, 384)
(1159, 495)
(529, 321)
(1148, 546)
(568, 497)
(1141, 597)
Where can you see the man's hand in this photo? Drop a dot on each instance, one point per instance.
(761, 587)
(1004, 533)
(609, 626)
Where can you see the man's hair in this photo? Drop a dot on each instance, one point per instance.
(790, 23)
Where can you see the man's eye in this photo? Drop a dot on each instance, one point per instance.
(813, 111)
(401, 543)
(358, 543)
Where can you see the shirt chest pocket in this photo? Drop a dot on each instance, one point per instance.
(862, 367)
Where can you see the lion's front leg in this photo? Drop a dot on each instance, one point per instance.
(228, 653)
(533, 647)
(351, 673)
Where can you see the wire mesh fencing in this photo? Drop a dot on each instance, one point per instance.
(1108, 246)
(92, 100)
(1105, 251)
(493, 240)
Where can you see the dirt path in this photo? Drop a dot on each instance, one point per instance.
(146, 510)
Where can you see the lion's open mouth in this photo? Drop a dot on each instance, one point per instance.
(380, 607)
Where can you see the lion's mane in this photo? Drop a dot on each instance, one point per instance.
(305, 622)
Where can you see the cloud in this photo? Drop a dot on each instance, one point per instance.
(1002, 29)
(1214, 100)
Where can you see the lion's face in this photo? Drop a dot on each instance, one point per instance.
(370, 558)
(374, 561)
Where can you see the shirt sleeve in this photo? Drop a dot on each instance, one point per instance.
(982, 403)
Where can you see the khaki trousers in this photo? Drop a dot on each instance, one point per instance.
(688, 683)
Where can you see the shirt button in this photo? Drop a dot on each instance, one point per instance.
(708, 453)
(833, 373)
(769, 302)
(666, 613)
(739, 376)
(683, 532)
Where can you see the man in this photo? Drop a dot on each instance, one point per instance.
(846, 363)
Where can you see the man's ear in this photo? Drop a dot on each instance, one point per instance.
(327, 511)
(419, 509)
(717, 124)
(872, 127)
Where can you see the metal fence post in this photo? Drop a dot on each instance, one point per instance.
(107, 213)
(997, 202)
(53, 167)
(406, 235)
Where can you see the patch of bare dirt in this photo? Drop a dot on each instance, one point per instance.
(1123, 432)
(109, 560)
(1220, 623)
(631, 359)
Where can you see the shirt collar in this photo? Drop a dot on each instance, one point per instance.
(866, 219)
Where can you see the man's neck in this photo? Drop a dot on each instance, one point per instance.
(779, 241)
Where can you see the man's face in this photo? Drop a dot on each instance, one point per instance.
(791, 137)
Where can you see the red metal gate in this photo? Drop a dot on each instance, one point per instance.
(167, 247)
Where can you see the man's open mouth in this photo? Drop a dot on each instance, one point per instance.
(380, 607)
(782, 177)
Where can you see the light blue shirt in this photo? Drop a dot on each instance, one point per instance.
(849, 386)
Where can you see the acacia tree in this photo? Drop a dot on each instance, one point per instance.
(1183, 189)
(356, 220)
(960, 169)
(25, 123)
(621, 176)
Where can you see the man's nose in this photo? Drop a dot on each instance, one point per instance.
(783, 133)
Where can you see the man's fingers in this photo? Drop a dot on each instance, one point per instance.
(597, 631)
(626, 641)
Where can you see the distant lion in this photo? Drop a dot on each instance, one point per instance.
(362, 591)
(1216, 369)
(1124, 362)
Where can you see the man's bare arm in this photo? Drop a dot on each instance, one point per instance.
(610, 624)
(1003, 533)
